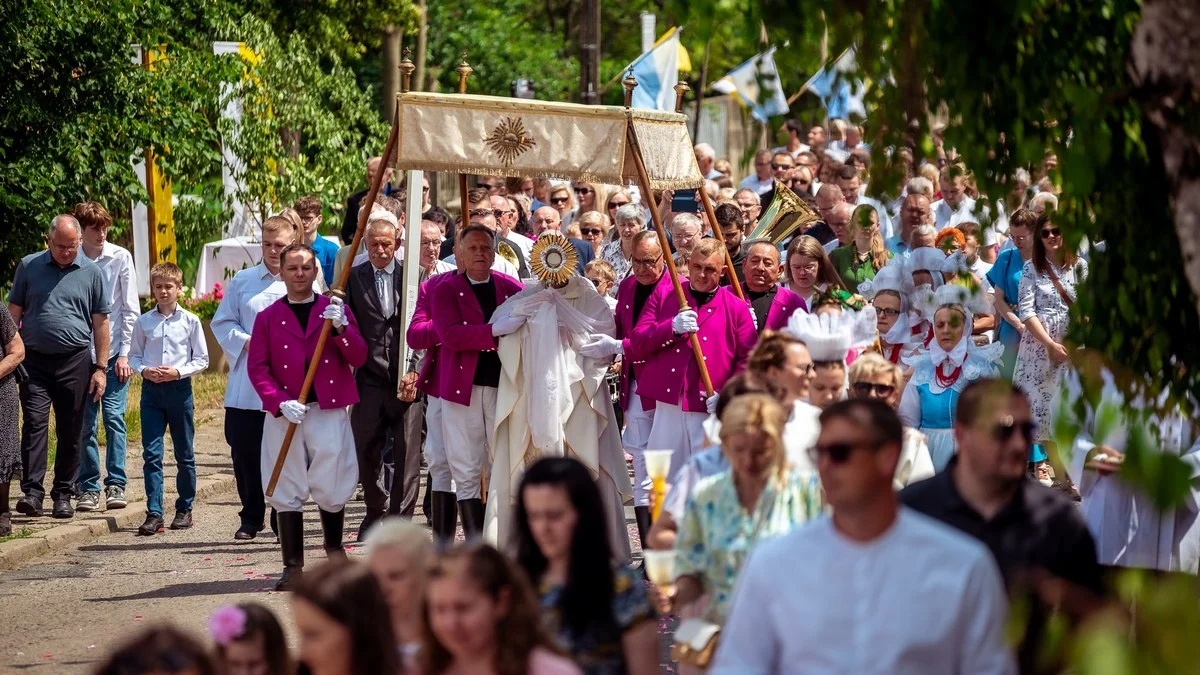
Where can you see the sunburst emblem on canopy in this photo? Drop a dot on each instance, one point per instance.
(510, 139)
(553, 259)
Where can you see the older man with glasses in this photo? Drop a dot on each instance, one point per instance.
(1034, 532)
(866, 569)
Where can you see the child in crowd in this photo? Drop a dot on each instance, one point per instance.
(249, 641)
(168, 348)
(603, 277)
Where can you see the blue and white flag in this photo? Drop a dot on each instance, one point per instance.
(657, 72)
(839, 87)
(756, 85)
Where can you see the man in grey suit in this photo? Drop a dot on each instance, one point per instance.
(373, 294)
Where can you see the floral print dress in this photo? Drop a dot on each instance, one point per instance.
(597, 654)
(1035, 374)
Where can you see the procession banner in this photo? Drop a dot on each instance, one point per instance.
(485, 135)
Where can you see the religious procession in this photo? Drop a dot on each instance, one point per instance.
(848, 361)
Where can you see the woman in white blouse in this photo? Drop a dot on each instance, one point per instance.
(1047, 291)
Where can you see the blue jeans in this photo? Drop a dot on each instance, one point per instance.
(168, 404)
(113, 405)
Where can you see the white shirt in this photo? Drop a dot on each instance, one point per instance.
(832, 244)
(795, 155)
(250, 291)
(762, 187)
(921, 599)
(439, 267)
(175, 341)
(116, 264)
(944, 216)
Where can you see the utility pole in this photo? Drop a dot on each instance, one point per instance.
(589, 53)
(390, 77)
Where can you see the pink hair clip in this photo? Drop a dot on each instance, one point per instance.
(227, 624)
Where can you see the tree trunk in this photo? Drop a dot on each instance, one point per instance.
(1162, 65)
(418, 79)
(390, 77)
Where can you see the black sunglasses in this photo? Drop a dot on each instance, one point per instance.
(1051, 232)
(559, 200)
(492, 186)
(1004, 430)
(499, 213)
(837, 453)
(865, 389)
(590, 231)
(780, 166)
(583, 191)
(480, 213)
(616, 205)
(595, 282)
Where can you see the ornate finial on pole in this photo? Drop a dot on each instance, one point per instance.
(630, 83)
(464, 71)
(681, 88)
(406, 71)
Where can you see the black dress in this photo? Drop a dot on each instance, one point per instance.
(10, 405)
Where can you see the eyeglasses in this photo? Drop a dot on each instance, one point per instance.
(1051, 232)
(595, 282)
(590, 231)
(491, 186)
(616, 205)
(583, 190)
(500, 213)
(837, 453)
(480, 213)
(430, 243)
(886, 311)
(780, 166)
(559, 200)
(871, 389)
(1006, 428)
(640, 262)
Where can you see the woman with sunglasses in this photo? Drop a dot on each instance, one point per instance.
(951, 363)
(874, 377)
(593, 228)
(616, 199)
(598, 611)
(629, 220)
(808, 269)
(560, 199)
(1047, 291)
(588, 197)
(758, 498)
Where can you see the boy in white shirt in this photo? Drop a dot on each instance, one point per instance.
(168, 348)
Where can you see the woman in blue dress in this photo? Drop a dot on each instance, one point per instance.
(950, 364)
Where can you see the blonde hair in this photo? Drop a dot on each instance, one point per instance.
(281, 224)
(879, 252)
(572, 231)
(930, 173)
(603, 269)
(707, 247)
(597, 218)
(758, 414)
(402, 535)
(167, 270)
(871, 365)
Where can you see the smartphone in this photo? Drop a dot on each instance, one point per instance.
(685, 201)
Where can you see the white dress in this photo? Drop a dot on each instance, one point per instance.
(1035, 374)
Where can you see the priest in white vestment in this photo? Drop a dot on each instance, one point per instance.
(554, 402)
(1129, 530)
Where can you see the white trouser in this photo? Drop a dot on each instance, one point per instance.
(637, 433)
(440, 479)
(680, 432)
(321, 462)
(468, 432)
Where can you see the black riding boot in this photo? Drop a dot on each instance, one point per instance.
(445, 516)
(642, 515)
(471, 512)
(332, 524)
(291, 541)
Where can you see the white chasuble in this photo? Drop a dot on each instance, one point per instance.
(554, 402)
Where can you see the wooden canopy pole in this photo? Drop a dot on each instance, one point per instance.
(682, 88)
(464, 71)
(644, 185)
(339, 283)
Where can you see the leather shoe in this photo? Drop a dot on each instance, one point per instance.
(63, 508)
(245, 533)
(29, 506)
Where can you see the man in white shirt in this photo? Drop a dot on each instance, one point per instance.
(120, 281)
(954, 206)
(762, 180)
(706, 158)
(875, 588)
(838, 220)
(852, 191)
(794, 147)
(250, 291)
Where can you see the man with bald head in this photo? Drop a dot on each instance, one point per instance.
(60, 301)
(354, 201)
(773, 304)
(647, 280)
(548, 218)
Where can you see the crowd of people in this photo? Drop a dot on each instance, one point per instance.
(860, 474)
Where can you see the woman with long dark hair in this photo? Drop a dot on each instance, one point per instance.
(159, 651)
(344, 623)
(598, 611)
(249, 641)
(808, 271)
(480, 617)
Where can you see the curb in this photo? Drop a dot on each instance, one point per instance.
(93, 526)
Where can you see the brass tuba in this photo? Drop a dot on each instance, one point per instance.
(783, 217)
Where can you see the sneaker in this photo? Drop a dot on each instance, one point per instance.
(114, 497)
(152, 526)
(182, 520)
(90, 501)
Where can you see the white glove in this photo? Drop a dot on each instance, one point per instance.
(753, 315)
(293, 410)
(685, 322)
(335, 312)
(507, 326)
(602, 346)
(711, 403)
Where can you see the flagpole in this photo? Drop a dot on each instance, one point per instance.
(621, 73)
